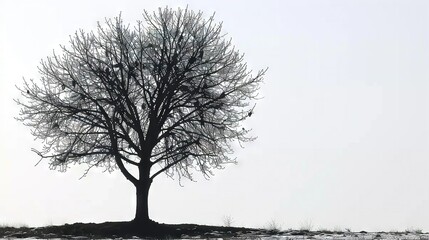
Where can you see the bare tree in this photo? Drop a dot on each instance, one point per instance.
(167, 96)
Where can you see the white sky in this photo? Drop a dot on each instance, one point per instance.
(343, 129)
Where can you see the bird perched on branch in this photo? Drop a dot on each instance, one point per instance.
(192, 60)
(118, 65)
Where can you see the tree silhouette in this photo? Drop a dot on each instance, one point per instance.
(167, 96)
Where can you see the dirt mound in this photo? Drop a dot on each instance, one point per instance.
(127, 230)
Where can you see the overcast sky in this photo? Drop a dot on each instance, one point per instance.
(343, 128)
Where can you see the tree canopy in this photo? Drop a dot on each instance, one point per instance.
(166, 96)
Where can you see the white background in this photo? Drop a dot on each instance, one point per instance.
(343, 128)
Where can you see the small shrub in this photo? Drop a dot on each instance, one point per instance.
(273, 226)
(228, 221)
(306, 226)
(414, 230)
(16, 225)
(324, 230)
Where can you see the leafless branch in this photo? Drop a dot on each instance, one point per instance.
(171, 91)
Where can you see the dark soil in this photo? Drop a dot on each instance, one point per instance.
(127, 230)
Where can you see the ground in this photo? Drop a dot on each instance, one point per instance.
(125, 230)
(121, 230)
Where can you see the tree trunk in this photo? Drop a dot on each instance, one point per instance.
(142, 210)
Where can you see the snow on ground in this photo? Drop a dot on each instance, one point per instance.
(290, 235)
